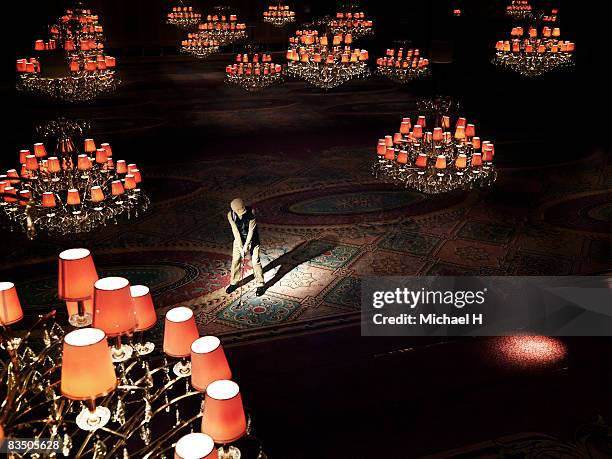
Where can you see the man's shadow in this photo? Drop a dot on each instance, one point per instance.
(303, 253)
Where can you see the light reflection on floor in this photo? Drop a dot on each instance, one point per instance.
(527, 352)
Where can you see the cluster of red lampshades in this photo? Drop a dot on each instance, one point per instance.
(532, 43)
(118, 308)
(279, 15)
(221, 23)
(308, 46)
(403, 59)
(353, 22)
(183, 12)
(519, 8)
(415, 134)
(33, 165)
(256, 64)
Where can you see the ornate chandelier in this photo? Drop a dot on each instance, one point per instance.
(519, 9)
(427, 156)
(199, 46)
(184, 17)
(279, 15)
(325, 62)
(403, 66)
(223, 27)
(180, 402)
(350, 20)
(254, 71)
(88, 71)
(533, 55)
(69, 192)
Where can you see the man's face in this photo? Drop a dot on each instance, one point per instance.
(238, 206)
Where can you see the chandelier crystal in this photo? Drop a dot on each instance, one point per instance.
(403, 66)
(69, 192)
(254, 71)
(431, 158)
(184, 17)
(88, 71)
(325, 61)
(534, 55)
(519, 9)
(279, 15)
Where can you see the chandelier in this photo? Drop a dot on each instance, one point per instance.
(253, 71)
(519, 9)
(88, 71)
(69, 192)
(534, 55)
(279, 15)
(184, 17)
(223, 28)
(199, 46)
(325, 62)
(430, 157)
(351, 22)
(92, 392)
(403, 66)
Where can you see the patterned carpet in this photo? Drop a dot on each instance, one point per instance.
(324, 223)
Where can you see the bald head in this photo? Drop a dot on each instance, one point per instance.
(238, 206)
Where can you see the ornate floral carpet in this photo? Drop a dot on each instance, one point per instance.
(324, 223)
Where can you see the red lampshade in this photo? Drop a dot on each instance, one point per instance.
(388, 141)
(476, 143)
(476, 160)
(39, 45)
(24, 196)
(77, 275)
(87, 369)
(129, 182)
(421, 121)
(73, 197)
(39, 150)
(23, 154)
(10, 194)
(460, 133)
(48, 199)
(421, 160)
(113, 307)
(461, 161)
(441, 162)
(121, 167)
(137, 176)
(83, 163)
(97, 195)
(445, 122)
(461, 122)
(53, 164)
(117, 188)
(107, 147)
(90, 145)
(437, 134)
(470, 130)
(405, 127)
(417, 132)
(195, 446)
(143, 307)
(10, 307)
(223, 418)
(180, 330)
(131, 167)
(208, 362)
(101, 156)
(31, 163)
(381, 148)
(390, 154)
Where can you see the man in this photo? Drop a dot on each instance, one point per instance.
(246, 239)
